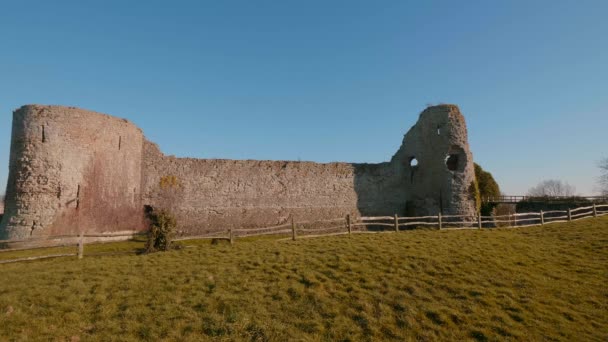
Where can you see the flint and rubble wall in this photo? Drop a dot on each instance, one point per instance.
(215, 194)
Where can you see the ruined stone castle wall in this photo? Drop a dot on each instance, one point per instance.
(74, 170)
(212, 194)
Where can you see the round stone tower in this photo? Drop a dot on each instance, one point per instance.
(72, 169)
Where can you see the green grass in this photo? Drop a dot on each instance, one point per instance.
(539, 283)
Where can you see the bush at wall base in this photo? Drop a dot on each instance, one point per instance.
(162, 229)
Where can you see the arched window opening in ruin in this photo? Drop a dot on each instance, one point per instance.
(455, 159)
(119, 142)
(413, 162)
(451, 161)
(438, 130)
(43, 134)
(414, 167)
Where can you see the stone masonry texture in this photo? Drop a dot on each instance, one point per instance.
(73, 170)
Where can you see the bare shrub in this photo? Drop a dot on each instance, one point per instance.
(552, 188)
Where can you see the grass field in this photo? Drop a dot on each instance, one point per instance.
(539, 283)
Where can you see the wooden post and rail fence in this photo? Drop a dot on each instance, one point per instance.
(511, 199)
(348, 225)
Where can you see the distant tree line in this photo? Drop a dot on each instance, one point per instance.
(552, 188)
(543, 195)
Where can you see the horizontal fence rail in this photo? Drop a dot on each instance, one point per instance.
(329, 227)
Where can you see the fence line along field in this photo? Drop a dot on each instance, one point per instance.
(328, 227)
(538, 283)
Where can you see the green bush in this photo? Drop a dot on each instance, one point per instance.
(162, 229)
(487, 188)
(474, 195)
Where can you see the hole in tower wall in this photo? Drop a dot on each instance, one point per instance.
(413, 168)
(438, 130)
(456, 158)
(119, 142)
(43, 134)
(148, 209)
(413, 162)
(451, 161)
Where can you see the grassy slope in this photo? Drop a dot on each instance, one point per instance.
(524, 284)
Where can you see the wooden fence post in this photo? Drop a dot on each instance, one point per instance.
(542, 218)
(81, 245)
(230, 236)
(348, 223)
(293, 229)
(594, 210)
(569, 214)
(479, 221)
(396, 223)
(439, 218)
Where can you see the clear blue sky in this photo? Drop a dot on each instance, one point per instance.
(324, 80)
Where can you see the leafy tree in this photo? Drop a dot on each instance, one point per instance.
(487, 185)
(475, 195)
(552, 188)
(487, 188)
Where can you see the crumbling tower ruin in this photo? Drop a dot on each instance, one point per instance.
(438, 164)
(74, 170)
